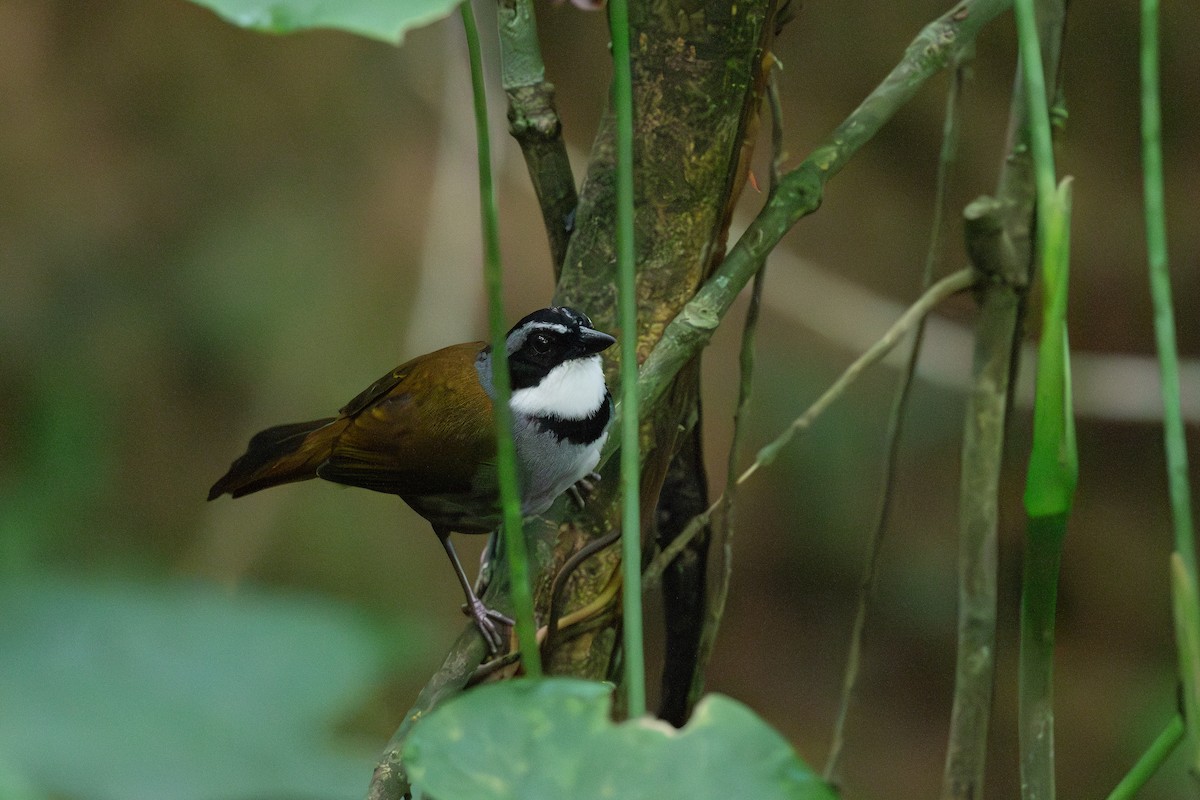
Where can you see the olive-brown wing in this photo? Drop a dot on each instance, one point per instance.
(423, 429)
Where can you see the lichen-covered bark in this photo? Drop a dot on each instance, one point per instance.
(697, 75)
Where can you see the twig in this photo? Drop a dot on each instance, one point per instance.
(560, 584)
(895, 431)
(950, 285)
(533, 121)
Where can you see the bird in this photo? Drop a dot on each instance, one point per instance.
(424, 432)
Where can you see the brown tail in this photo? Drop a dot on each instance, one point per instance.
(283, 454)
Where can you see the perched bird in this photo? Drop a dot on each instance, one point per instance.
(424, 432)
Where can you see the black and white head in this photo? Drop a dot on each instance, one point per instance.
(554, 361)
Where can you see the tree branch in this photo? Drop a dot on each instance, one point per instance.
(800, 190)
(533, 121)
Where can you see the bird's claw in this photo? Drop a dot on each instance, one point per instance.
(486, 620)
(583, 487)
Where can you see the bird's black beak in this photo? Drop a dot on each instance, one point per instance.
(594, 341)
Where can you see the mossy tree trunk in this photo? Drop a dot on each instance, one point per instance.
(698, 74)
(699, 77)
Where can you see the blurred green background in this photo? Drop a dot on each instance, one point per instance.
(205, 231)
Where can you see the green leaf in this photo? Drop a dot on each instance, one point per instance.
(124, 690)
(385, 20)
(553, 738)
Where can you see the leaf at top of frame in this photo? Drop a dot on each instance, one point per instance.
(385, 20)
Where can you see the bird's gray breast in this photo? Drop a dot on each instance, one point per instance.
(551, 462)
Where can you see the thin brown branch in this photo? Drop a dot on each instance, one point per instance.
(946, 287)
(895, 431)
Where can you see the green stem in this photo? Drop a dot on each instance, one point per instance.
(631, 539)
(1053, 462)
(1168, 360)
(1151, 760)
(1039, 592)
(1160, 291)
(1038, 108)
(506, 456)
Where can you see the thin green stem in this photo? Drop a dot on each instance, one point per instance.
(1151, 760)
(1053, 462)
(506, 455)
(631, 539)
(1038, 108)
(1168, 360)
(1160, 290)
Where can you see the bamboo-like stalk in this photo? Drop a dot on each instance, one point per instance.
(506, 454)
(1174, 437)
(799, 195)
(1053, 462)
(631, 538)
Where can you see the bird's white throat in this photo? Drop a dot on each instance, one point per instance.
(572, 390)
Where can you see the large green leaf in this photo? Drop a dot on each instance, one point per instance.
(386, 20)
(552, 739)
(127, 690)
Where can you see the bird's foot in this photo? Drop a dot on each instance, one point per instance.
(488, 621)
(583, 488)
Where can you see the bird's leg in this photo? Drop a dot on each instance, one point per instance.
(491, 552)
(582, 488)
(485, 618)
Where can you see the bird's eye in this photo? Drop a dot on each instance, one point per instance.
(541, 343)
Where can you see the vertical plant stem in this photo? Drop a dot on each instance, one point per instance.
(1160, 290)
(506, 456)
(631, 539)
(1053, 462)
(1039, 590)
(895, 433)
(1168, 359)
(1151, 760)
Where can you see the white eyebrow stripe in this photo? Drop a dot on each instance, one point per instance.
(549, 326)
